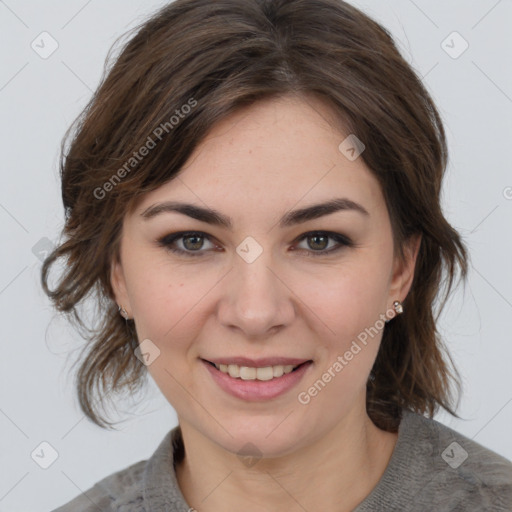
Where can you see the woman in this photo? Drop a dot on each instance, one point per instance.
(254, 194)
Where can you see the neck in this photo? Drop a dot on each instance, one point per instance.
(335, 472)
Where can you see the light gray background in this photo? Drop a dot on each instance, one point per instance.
(39, 98)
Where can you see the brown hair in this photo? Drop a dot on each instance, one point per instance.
(215, 57)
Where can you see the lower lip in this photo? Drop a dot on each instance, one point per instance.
(257, 390)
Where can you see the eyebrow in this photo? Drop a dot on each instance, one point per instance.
(291, 218)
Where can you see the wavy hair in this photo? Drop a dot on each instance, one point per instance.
(216, 57)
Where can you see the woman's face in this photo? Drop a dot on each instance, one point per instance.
(255, 281)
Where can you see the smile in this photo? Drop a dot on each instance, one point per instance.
(256, 384)
(250, 373)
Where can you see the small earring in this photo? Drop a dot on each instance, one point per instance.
(123, 312)
(398, 307)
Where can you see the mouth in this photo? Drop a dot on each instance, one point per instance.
(257, 383)
(261, 373)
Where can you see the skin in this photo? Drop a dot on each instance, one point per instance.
(254, 166)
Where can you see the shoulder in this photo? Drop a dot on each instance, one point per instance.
(112, 493)
(459, 472)
(138, 487)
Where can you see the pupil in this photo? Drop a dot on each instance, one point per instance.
(196, 245)
(322, 245)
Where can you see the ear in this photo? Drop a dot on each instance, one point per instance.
(118, 283)
(403, 271)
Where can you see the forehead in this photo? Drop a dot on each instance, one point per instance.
(273, 155)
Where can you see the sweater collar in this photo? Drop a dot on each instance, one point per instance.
(161, 492)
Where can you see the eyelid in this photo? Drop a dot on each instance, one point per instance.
(342, 241)
(171, 238)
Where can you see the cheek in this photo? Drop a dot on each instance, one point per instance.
(159, 299)
(346, 300)
(350, 306)
(170, 302)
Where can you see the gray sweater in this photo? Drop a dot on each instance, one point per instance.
(432, 468)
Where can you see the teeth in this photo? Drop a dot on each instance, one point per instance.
(248, 373)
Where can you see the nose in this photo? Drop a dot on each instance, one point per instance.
(256, 299)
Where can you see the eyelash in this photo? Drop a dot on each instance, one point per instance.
(170, 239)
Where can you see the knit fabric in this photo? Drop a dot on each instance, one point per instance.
(432, 468)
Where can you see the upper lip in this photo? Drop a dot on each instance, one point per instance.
(258, 363)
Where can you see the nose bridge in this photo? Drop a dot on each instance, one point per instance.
(256, 300)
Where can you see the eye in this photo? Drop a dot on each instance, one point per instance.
(192, 243)
(319, 241)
